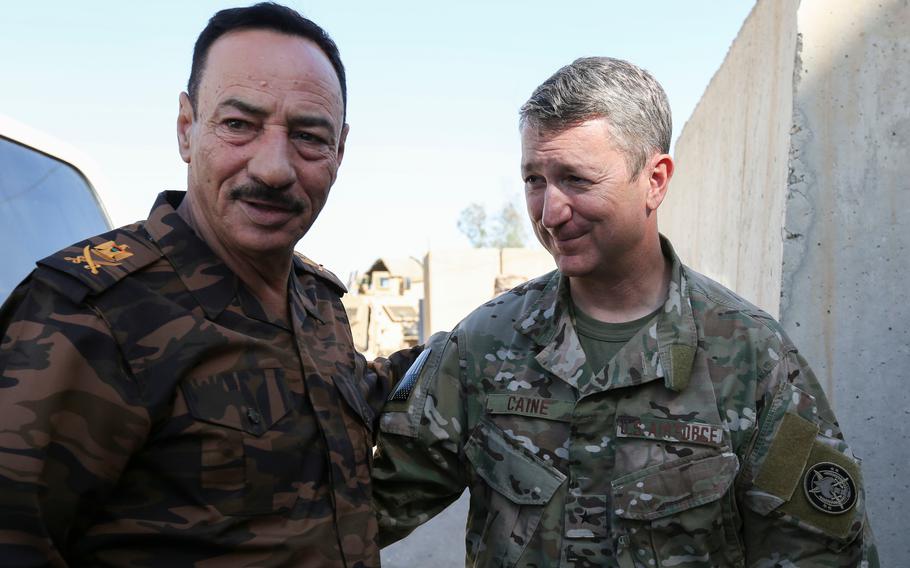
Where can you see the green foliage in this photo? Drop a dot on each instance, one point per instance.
(505, 229)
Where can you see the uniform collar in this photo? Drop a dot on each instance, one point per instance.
(303, 290)
(664, 348)
(212, 284)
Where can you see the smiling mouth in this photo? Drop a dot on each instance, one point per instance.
(566, 238)
(267, 206)
(266, 214)
(259, 196)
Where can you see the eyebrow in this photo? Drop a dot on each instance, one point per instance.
(310, 121)
(525, 166)
(244, 106)
(305, 121)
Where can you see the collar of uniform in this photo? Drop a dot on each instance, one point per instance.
(677, 336)
(540, 321)
(663, 349)
(303, 291)
(208, 279)
(548, 323)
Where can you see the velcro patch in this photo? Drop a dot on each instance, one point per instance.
(839, 486)
(535, 407)
(661, 429)
(403, 391)
(786, 460)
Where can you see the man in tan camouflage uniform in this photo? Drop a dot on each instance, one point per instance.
(623, 410)
(185, 390)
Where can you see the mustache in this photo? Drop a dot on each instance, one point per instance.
(256, 191)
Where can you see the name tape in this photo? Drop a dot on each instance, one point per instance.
(670, 430)
(535, 407)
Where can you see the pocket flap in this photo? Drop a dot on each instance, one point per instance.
(251, 401)
(509, 468)
(669, 488)
(354, 397)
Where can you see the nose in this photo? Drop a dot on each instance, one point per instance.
(556, 209)
(271, 161)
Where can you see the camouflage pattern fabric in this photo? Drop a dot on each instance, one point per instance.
(690, 449)
(152, 414)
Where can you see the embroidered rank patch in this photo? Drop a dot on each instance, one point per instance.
(534, 407)
(670, 430)
(403, 391)
(106, 254)
(829, 488)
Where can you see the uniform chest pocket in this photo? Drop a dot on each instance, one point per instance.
(515, 487)
(357, 418)
(678, 514)
(350, 387)
(249, 458)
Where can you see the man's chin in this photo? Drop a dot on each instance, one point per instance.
(573, 266)
(259, 242)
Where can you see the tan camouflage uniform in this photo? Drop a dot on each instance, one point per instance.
(688, 450)
(152, 415)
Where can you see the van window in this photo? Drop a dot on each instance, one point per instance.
(45, 205)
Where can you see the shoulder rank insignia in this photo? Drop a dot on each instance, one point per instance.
(829, 488)
(106, 254)
(403, 391)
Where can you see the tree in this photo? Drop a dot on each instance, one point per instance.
(472, 221)
(506, 229)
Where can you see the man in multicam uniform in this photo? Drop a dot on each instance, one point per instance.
(185, 390)
(623, 410)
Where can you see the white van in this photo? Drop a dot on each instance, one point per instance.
(47, 201)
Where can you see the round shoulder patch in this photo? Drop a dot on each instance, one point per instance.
(829, 488)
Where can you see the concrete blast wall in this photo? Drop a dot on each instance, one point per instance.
(724, 210)
(792, 188)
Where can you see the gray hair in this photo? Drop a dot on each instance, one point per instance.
(632, 101)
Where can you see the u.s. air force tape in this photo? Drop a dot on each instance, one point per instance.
(403, 391)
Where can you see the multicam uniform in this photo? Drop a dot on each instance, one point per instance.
(706, 441)
(151, 413)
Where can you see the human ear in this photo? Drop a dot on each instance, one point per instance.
(660, 171)
(341, 141)
(185, 119)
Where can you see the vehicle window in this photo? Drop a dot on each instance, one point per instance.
(45, 205)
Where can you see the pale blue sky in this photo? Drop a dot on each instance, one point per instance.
(434, 90)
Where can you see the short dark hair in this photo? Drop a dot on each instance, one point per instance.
(262, 16)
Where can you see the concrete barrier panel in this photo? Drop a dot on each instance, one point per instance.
(724, 210)
(844, 292)
(792, 188)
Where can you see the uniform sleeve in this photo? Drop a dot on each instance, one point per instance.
(68, 423)
(418, 471)
(801, 488)
(384, 373)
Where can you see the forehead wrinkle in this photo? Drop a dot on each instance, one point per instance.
(298, 108)
(244, 106)
(566, 158)
(252, 55)
(309, 85)
(563, 152)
